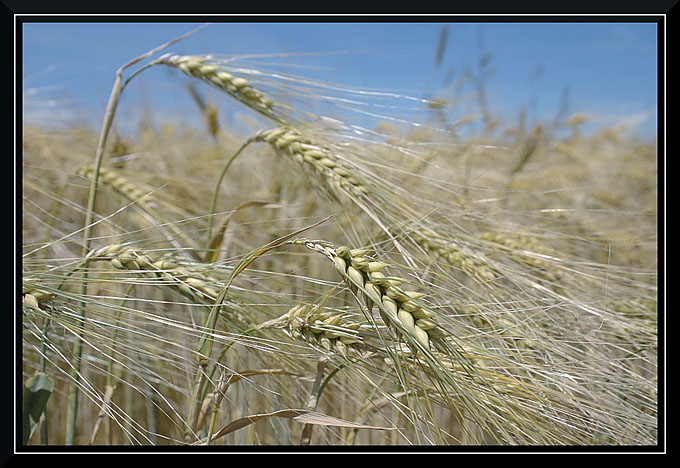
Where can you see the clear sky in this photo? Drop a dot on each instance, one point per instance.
(606, 70)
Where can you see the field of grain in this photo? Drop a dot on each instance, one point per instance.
(316, 282)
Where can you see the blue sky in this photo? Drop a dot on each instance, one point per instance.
(607, 70)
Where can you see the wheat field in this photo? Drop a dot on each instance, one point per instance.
(313, 282)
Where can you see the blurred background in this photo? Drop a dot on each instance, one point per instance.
(533, 71)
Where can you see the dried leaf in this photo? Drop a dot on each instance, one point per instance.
(108, 394)
(299, 415)
(216, 241)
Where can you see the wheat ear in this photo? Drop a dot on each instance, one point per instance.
(455, 255)
(527, 250)
(194, 283)
(123, 186)
(398, 308)
(330, 170)
(202, 67)
(118, 183)
(334, 332)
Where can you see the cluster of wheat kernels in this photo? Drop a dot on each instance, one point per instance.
(194, 283)
(398, 308)
(33, 301)
(454, 255)
(117, 182)
(33, 293)
(515, 240)
(316, 158)
(333, 331)
(521, 248)
(235, 86)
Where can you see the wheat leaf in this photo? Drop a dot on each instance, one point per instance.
(37, 391)
(216, 241)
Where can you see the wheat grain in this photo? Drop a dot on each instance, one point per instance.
(472, 265)
(527, 250)
(37, 292)
(145, 200)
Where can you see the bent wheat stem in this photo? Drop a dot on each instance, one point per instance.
(213, 201)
